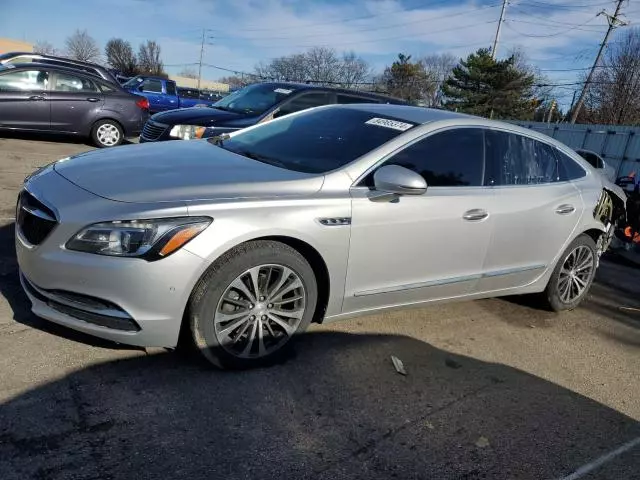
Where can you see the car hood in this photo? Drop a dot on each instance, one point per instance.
(181, 171)
(203, 116)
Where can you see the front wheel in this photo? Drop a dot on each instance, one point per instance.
(107, 133)
(573, 275)
(251, 303)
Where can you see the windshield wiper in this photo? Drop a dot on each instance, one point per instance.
(261, 158)
(220, 107)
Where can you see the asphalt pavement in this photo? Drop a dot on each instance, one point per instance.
(495, 389)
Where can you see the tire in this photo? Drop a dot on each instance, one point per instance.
(226, 320)
(107, 133)
(563, 290)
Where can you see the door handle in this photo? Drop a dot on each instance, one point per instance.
(475, 215)
(565, 209)
(93, 99)
(36, 97)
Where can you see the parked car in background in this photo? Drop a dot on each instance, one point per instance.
(323, 214)
(597, 162)
(47, 98)
(192, 97)
(162, 93)
(86, 67)
(253, 104)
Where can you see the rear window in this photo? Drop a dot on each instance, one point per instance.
(344, 99)
(317, 141)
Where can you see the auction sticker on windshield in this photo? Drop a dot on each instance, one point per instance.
(283, 90)
(385, 122)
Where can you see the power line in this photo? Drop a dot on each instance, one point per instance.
(368, 29)
(401, 37)
(593, 28)
(548, 35)
(613, 23)
(344, 20)
(537, 4)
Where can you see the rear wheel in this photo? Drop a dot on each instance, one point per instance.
(107, 133)
(249, 306)
(573, 275)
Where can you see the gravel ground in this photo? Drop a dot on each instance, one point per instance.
(496, 389)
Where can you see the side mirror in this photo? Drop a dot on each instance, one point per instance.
(399, 180)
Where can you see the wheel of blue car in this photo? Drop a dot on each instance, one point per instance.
(251, 304)
(107, 133)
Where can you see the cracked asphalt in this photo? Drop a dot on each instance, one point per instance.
(495, 389)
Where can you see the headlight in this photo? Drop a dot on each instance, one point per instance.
(150, 239)
(187, 132)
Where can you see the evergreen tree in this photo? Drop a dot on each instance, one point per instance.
(492, 88)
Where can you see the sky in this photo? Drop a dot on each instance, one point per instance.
(561, 37)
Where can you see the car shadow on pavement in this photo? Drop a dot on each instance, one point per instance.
(338, 410)
(11, 290)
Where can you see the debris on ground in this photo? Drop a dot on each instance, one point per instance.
(482, 442)
(399, 366)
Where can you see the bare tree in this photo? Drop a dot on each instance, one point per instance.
(82, 46)
(319, 65)
(44, 47)
(353, 70)
(149, 58)
(188, 72)
(614, 94)
(234, 81)
(120, 56)
(437, 69)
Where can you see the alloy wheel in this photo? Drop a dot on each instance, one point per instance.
(260, 311)
(575, 274)
(108, 135)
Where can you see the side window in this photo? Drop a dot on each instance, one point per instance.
(24, 80)
(519, 160)
(171, 88)
(304, 101)
(343, 99)
(453, 158)
(71, 83)
(594, 160)
(569, 168)
(151, 85)
(106, 88)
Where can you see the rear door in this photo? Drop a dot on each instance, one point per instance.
(24, 101)
(170, 98)
(75, 101)
(535, 210)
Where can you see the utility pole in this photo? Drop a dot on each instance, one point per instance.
(200, 63)
(613, 23)
(500, 22)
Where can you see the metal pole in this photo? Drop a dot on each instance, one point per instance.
(613, 23)
(500, 22)
(200, 63)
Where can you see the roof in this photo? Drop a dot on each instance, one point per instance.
(409, 113)
(298, 86)
(51, 57)
(49, 66)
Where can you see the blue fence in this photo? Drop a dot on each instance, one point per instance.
(618, 145)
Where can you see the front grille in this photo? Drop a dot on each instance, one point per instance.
(35, 220)
(153, 131)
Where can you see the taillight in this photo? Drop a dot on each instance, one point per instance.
(143, 103)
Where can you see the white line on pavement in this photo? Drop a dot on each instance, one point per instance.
(582, 471)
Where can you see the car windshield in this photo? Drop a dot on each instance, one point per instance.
(254, 99)
(316, 141)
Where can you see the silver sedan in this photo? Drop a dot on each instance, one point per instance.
(245, 239)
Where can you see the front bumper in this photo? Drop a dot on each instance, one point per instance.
(126, 300)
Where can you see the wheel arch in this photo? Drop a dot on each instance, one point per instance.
(318, 265)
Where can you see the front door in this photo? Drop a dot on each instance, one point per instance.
(535, 210)
(431, 246)
(24, 101)
(75, 100)
(152, 89)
